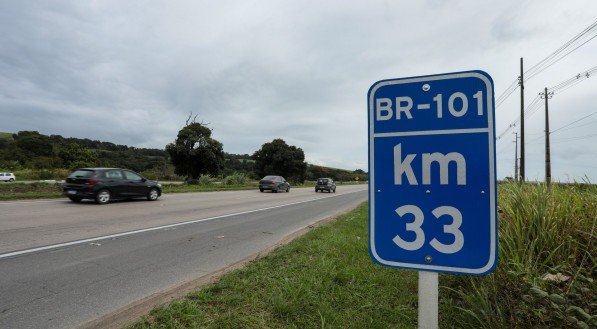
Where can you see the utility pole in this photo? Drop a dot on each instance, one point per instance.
(547, 95)
(521, 122)
(516, 157)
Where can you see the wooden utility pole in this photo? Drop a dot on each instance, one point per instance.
(521, 122)
(516, 157)
(547, 95)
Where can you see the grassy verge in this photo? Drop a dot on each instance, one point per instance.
(17, 191)
(545, 277)
(40, 190)
(543, 232)
(322, 279)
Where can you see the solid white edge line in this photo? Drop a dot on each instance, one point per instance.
(156, 228)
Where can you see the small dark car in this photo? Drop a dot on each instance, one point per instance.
(106, 184)
(325, 184)
(274, 184)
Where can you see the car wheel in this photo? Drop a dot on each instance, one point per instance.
(153, 194)
(275, 190)
(102, 196)
(73, 199)
(316, 190)
(11, 180)
(334, 190)
(260, 190)
(288, 189)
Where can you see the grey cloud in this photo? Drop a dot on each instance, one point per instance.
(130, 72)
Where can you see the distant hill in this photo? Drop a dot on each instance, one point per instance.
(30, 149)
(5, 136)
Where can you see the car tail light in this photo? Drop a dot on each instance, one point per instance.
(92, 182)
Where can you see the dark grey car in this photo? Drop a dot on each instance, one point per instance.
(274, 184)
(106, 184)
(325, 184)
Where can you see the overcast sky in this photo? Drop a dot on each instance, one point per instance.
(130, 72)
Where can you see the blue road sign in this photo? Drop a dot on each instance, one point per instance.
(432, 180)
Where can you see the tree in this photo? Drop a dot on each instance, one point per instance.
(33, 143)
(195, 153)
(75, 156)
(279, 158)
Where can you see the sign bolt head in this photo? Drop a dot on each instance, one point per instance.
(427, 192)
(428, 259)
(426, 87)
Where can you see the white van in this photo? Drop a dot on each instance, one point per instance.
(7, 177)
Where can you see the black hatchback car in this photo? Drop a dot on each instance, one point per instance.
(274, 184)
(325, 184)
(105, 184)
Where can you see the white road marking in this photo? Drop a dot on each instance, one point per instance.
(156, 228)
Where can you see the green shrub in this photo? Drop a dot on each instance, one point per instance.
(206, 180)
(542, 231)
(235, 179)
(192, 181)
(46, 174)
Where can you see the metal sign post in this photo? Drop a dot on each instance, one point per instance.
(432, 180)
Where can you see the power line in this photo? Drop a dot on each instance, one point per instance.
(571, 123)
(566, 49)
(566, 84)
(582, 125)
(563, 56)
(563, 51)
(532, 106)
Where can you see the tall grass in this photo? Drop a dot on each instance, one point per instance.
(542, 232)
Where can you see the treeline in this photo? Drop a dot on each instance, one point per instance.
(32, 150)
(314, 172)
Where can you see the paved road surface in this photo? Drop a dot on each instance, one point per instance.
(63, 264)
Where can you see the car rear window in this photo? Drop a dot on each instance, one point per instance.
(82, 174)
(270, 177)
(322, 181)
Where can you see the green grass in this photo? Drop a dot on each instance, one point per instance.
(324, 279)
(39, 190)
(541, 231)
(16, 191)
(206, 188)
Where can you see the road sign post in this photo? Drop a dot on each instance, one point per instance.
(432, 184)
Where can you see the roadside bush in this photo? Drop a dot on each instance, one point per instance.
(546, 270)
(192, 181)
(46, 174)
(206, 180)
(235, 179)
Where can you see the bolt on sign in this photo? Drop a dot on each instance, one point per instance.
(432, 186)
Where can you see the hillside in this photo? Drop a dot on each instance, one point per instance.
(30, 150)
(5, 136)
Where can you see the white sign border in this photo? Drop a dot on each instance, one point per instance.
(492, 188)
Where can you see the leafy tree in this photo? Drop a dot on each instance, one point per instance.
(279, 158)
(34, 143)
(73, 155)
(195, 153)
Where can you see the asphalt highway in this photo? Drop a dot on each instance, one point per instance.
(63, 264)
